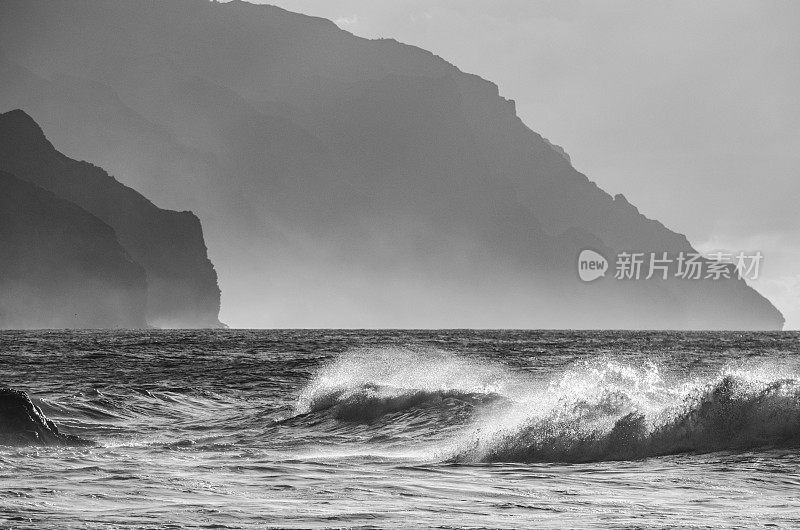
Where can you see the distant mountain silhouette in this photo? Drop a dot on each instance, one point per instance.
(342, 182)
(181, 282)
(61, 267)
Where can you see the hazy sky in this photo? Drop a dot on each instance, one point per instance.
(690, 109)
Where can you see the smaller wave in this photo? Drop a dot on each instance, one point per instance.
(369, 402)
(364, 385)
(23, 423)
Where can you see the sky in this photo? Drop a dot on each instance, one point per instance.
(689, 109)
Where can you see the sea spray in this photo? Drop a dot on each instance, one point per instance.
(599, 409)
(402, 377)
(603, 410)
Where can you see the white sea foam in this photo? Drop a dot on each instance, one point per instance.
(602, 409)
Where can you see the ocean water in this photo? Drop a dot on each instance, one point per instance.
(406, 429)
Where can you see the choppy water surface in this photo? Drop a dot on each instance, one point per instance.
(449, 429)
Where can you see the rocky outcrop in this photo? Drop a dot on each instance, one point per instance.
(62, 267)
(182, 286)
(23, 423)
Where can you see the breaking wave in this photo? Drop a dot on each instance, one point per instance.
(369, 402)
(727, 414)
(604, 409)
(365, 385)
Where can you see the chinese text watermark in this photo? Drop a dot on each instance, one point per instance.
(665, 265)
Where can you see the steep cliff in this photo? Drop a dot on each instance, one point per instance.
(343, 182)
(61, 267)
(181, 282)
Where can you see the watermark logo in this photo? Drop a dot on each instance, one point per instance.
(664, 265)
(591, 265)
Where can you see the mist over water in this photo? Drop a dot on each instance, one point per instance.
(338, 181)
(239, 429)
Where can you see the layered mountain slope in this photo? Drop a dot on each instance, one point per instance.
(342, 182)
(62, 267)
(181, 282)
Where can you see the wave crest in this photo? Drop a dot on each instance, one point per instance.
(470, 410)
(728, 413)
(365, 385)
(369, 402)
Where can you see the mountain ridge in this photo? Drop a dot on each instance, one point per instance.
(182, 289)
(61, 266)
(347, 182)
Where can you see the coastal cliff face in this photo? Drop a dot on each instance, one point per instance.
(343, 182)
(181, 282)
(62, 267)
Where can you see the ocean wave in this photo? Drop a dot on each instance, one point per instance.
(369, 402)
(600, 409)
(364, 385)
(22, 422)
(117, 415)
(728, 412)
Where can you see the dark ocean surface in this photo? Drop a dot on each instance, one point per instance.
(405, 429)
